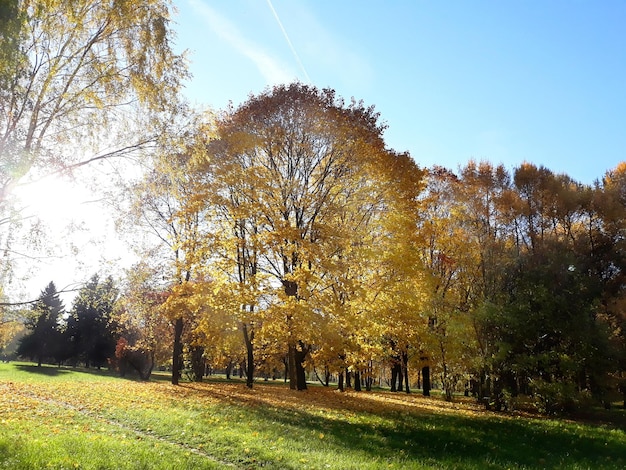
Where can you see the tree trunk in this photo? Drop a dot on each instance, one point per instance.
(326, 378)
(348, 378)
(426, 381)
(368, 376)
(291, 358)
(369, 379)
(177, 353)
(405, 371)
(197, 363)
(340, 382)
(300, 356)
(248, 337)
(394, 377)
(357, 381)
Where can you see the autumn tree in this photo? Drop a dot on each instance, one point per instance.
(289, 162)
(144, 333)
(387, 287)
(81, 81)
(606, 236)
(484, 214)
(10, 325)
(68, 68)
(448, 256)
(166, 223)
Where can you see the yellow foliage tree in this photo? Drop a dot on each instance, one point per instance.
(295, 178)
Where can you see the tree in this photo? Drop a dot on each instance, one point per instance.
(144, 333)
(90, 327)
(45, 339)
(607, 239)
(165, 213)
(485, 202)
(291, 158)
(81, 81)
(68, 68)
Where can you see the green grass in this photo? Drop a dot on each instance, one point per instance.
(61, 418)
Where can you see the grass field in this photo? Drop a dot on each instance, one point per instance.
(68, 419)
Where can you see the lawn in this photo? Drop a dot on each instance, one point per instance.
(68, 419)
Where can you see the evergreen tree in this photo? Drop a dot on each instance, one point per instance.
(45, 340)
(90, 327)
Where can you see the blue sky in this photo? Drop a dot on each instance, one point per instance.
(504, 81)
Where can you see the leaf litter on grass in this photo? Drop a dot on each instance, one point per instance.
(250, 428)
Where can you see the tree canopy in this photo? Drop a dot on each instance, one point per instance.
(286, 234)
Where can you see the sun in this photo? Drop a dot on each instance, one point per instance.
(68, 235)
(53, 199)
(64, 233)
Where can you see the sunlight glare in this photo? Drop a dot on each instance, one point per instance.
(54, 200)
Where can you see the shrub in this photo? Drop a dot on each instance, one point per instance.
(559, 397)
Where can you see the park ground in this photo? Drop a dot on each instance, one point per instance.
(80, 419)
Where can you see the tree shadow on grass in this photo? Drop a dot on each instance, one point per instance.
(429, 438)
(43, 370)
(452, 441)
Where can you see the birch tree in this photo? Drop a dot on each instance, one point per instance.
(81, 81)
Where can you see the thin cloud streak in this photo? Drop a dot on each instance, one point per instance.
(293, 49)
(272, 70)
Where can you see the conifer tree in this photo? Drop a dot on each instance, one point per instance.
(45, 339)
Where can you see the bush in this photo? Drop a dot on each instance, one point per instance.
(559, 397)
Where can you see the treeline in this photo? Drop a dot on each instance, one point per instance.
(284, 235)
(285, 238)
(293, 238)
(530, 266)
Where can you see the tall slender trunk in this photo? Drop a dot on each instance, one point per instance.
(300, 356)
(394, 377)
(357, 381)
(291, 290)
(400, 377)
(405, 371)
(369, 379)
(177, 353)
(248, 337)
(426, 381)
(197, 363)
(291, 368)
